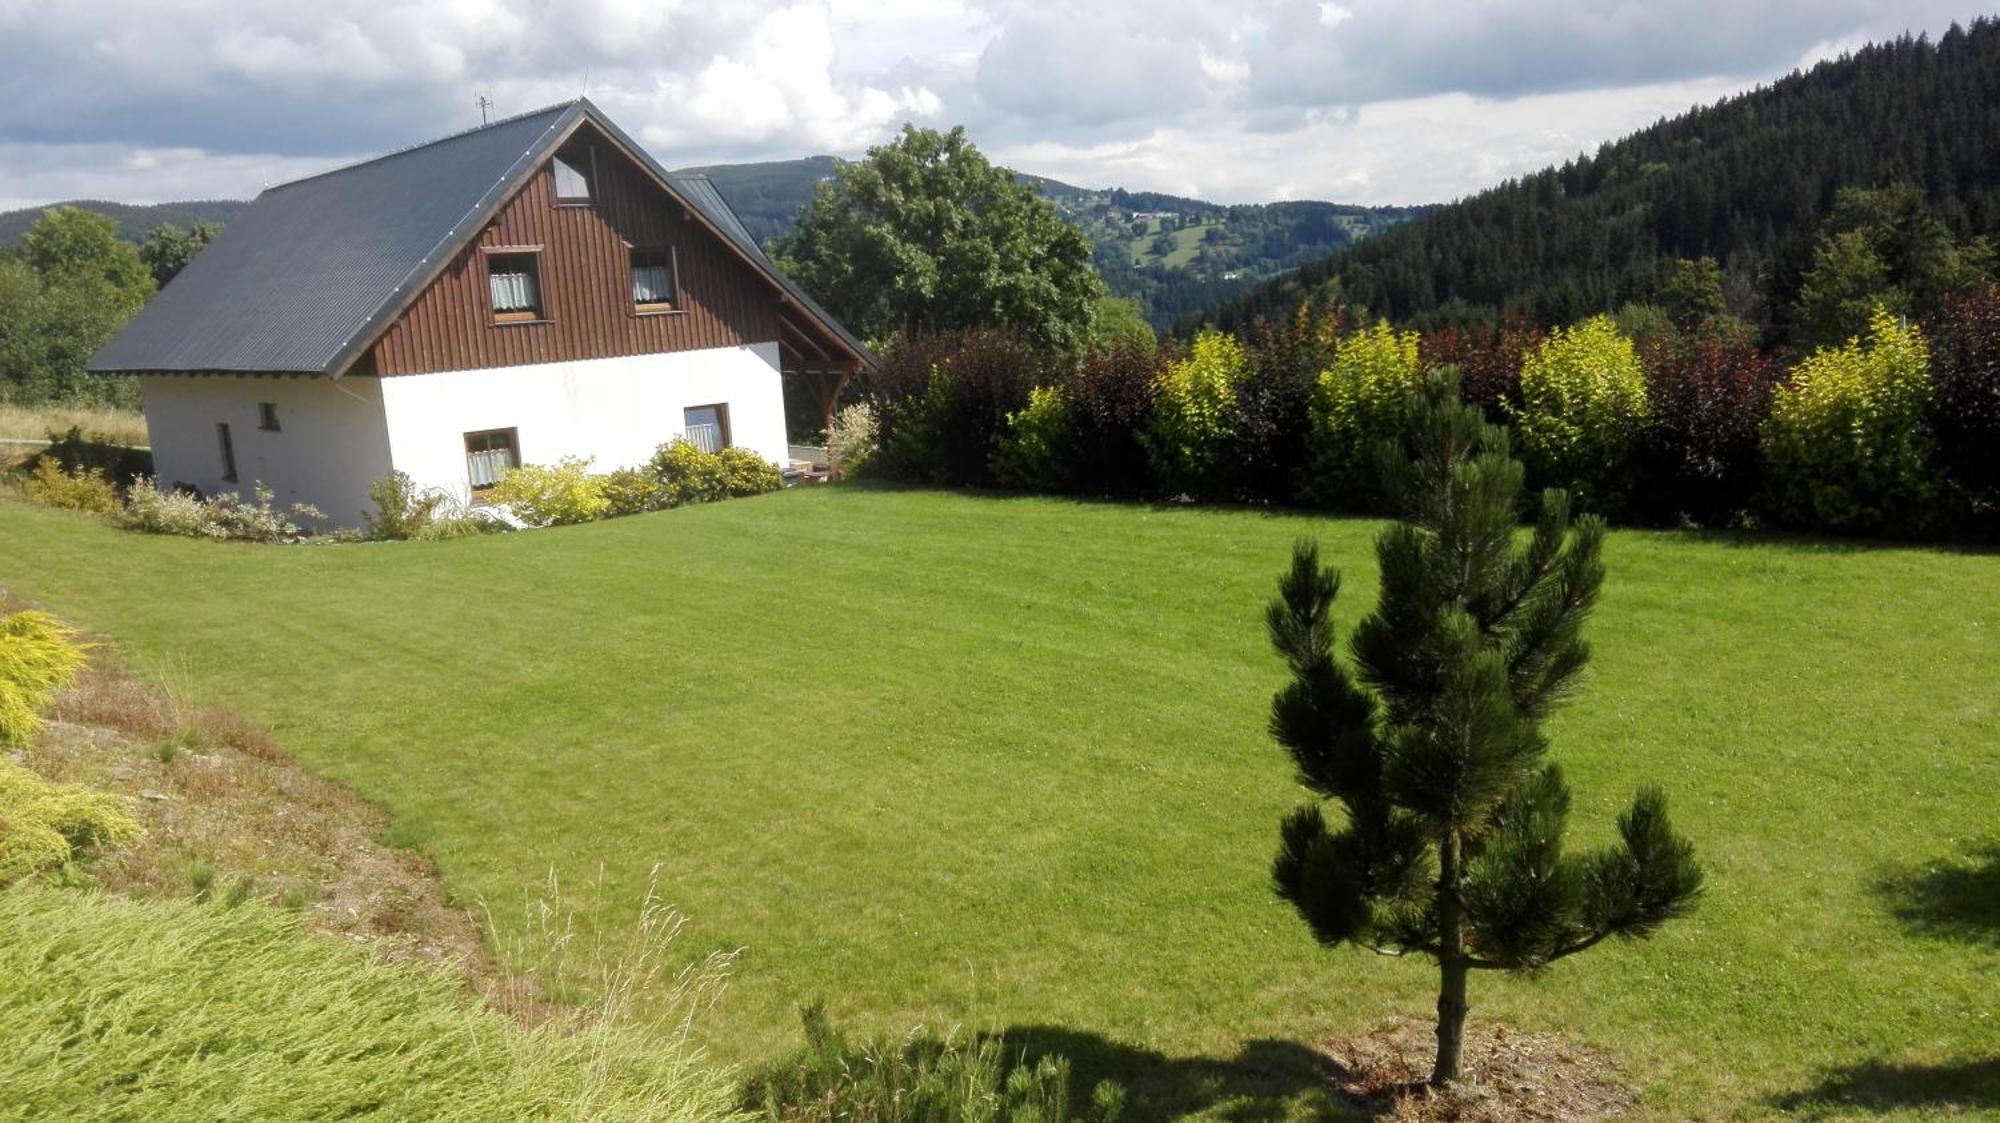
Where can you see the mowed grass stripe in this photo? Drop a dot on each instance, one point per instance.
(952, 757)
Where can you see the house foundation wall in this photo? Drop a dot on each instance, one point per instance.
(616, 411)
(330, 443)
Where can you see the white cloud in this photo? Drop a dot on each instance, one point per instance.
(1256, 100)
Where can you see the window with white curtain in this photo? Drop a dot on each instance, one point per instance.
(653, 280)
(514, 282)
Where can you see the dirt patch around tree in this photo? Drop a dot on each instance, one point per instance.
(1510, 1077)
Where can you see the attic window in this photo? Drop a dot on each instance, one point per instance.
(514, 279)
(575, 171)
(653, 288)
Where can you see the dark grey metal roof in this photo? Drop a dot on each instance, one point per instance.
(301, 273)
(315, 269)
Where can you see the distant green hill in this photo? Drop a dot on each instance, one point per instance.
(1172, 255)
(133, 219)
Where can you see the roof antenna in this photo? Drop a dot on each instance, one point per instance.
(485, 103)
(585, 91)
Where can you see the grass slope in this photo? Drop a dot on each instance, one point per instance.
(950, 757)
(116, 1009)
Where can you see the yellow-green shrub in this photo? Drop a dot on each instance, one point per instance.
(1033, 452)
(84, 489)
(553, 494)
(746, 473)
(632, 491)
(688, 475)
(1188, 427)
(45, 825)
(1846, 438)
(1358, 402)
(39, 655)
(1583, 405)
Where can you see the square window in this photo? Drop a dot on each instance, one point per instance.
(488, 455)
(515, 283)
(706, 427)
(267, 416)
(653, 288)
(574, 171)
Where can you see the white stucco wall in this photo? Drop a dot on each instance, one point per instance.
(615, 410)
(331, 442)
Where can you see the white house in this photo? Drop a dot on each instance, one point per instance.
(528, 290)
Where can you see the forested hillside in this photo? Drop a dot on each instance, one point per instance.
(134, 220)
(1171, 255)
(1751, 182)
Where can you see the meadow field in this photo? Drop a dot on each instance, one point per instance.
(947, 758)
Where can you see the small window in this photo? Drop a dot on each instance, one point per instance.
(228, 451)
(574, 172)
(653, 288)
(267, 416)
(706, 427)
(515, 281)
(488, 455)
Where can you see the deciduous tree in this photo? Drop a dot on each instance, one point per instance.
(926, 236)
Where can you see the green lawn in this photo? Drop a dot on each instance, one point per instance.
(955, 758)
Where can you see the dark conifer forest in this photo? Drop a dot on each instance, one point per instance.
(1752, 182)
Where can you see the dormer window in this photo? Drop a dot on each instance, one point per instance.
(515, 282)
(575, 173)
(653, 288)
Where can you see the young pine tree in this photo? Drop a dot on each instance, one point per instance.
(1431, 740)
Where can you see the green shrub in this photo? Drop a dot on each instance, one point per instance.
(746, 473)
(917, 428)
(118, 1009)
(1583, 406)
(850, 444)
(689, 475)
(1188, 427)
(153, 511)
(1846, 439)
(226, 516)
(1360, 401)
(560, 494)
(80, 489)
(39, 655)
(633, 491)
(919, 1079)
(1036, 451)
(45, 826)
(404, 513)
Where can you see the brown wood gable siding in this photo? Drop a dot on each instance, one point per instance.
(586, 285)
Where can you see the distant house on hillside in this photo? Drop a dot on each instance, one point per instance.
(528, 290)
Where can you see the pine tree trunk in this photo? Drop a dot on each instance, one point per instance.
(1452, 966)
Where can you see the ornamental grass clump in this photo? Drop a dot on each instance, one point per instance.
(404, 512)
(1847, 440)
(921, 1078)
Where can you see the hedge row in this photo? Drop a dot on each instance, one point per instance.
(1894, 433)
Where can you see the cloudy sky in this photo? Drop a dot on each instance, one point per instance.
(1373, 101)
